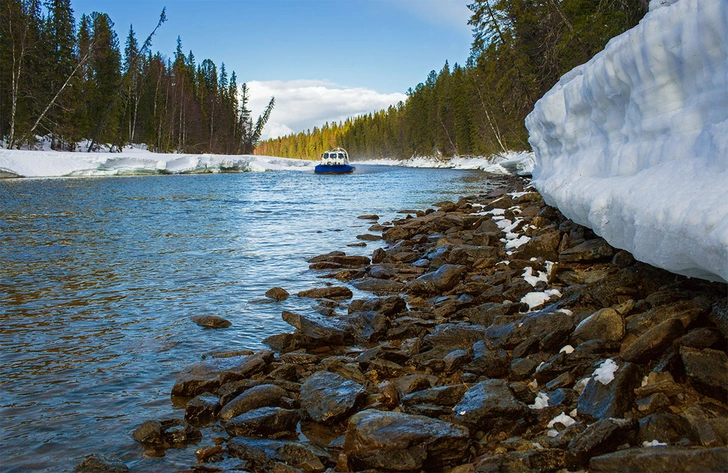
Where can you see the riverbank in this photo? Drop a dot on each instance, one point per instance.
(499, 336)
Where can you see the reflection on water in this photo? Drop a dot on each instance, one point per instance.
(99, 278)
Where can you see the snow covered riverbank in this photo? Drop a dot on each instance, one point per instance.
(634, 143)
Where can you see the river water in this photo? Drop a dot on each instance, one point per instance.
(99, 278)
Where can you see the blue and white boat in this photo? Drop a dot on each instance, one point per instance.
(334, 161)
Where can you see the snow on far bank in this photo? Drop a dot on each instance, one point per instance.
(634, 143)
(514, 162)
(132, 161)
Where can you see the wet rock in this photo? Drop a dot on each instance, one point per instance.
(391, 441)
(369, 217)
(211, 321)
(258, 396)
(602, 437)
(601, 401)
(368, 237)
(440, 396)
(209, 375)
(456, 335)
(317, 327)
(707, 370)
(332, 292)
(485, 401)
(202, 409)
(171, 433)
(651, 459)
(379, 286)
(264, 422)
(277, 293)
(654, 341)
(328, 397)
(267, 454)
(101, 463)
(603, 324)
(441, 280)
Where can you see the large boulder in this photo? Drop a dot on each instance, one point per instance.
(253, 398)
(393, 441)
(264, 422)
(328, 397)
(487, 400)
(664, 458)
(209, 375)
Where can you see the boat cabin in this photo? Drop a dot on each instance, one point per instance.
(335, 157)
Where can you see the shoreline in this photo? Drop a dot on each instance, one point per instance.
(499, 336)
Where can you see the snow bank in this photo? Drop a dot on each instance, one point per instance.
(20, 163)
(520, 163)
(634, 143)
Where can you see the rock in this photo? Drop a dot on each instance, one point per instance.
(654, 341)
(209, 375)
(368, 237)
(317, 327)
(369, 217)
(545, 246)
(266, 421)
(268, 454)
(442, 280)
(602, 324)
(211, 321)
(589, 251)
(379, 286)
(101, 463)
(651, 459)
(202, 409)
(707, 370)
(602, 437)
(332, 292)
(601, 401)
(258, 396)
(413, 382)
(440, 396)
(396, 441)
(665, 427)
(277, 293)
(329, 397)
(485, 401)
(456, 335)
(170, 433)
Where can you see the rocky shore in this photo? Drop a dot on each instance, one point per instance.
(499, 337)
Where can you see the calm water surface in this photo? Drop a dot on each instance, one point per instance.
(99, 278)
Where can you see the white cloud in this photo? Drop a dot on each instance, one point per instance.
(303, 104)
(454, 13)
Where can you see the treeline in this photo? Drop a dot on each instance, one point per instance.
(520, 50)
(74, 83)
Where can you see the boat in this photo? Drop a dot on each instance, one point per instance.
(334, 161)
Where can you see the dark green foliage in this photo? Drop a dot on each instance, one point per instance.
(74, 83)
(520, 49)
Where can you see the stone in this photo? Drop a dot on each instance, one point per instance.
(169, 433)
(485, 401)
(101, 463)
(403, 442)
(328, 397)
(707, 370)
(588, 251)
(202, 409)
(211, 321)
(368, 237)
(602, 437)
(665, 427)
(379, 286)
(206, 376)
(545, 246)
(270, 453)
(258, 396)
(331, 292)
(277, 293)
(603, 324)
(654, 341)
(266, 421)
(602, 401)
(441, 395)
(443, 279)
(668, 458)
(317, 327)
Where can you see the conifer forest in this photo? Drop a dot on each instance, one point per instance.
(75, 82)
(519, 51)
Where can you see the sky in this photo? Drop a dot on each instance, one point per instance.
(323, 60)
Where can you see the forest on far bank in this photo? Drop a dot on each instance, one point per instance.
(520, 50)
(74, 82)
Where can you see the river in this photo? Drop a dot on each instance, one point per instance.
(99, 278)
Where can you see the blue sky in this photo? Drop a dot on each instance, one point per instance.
(323, 60)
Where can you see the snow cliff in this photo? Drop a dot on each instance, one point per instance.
(634, 143)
